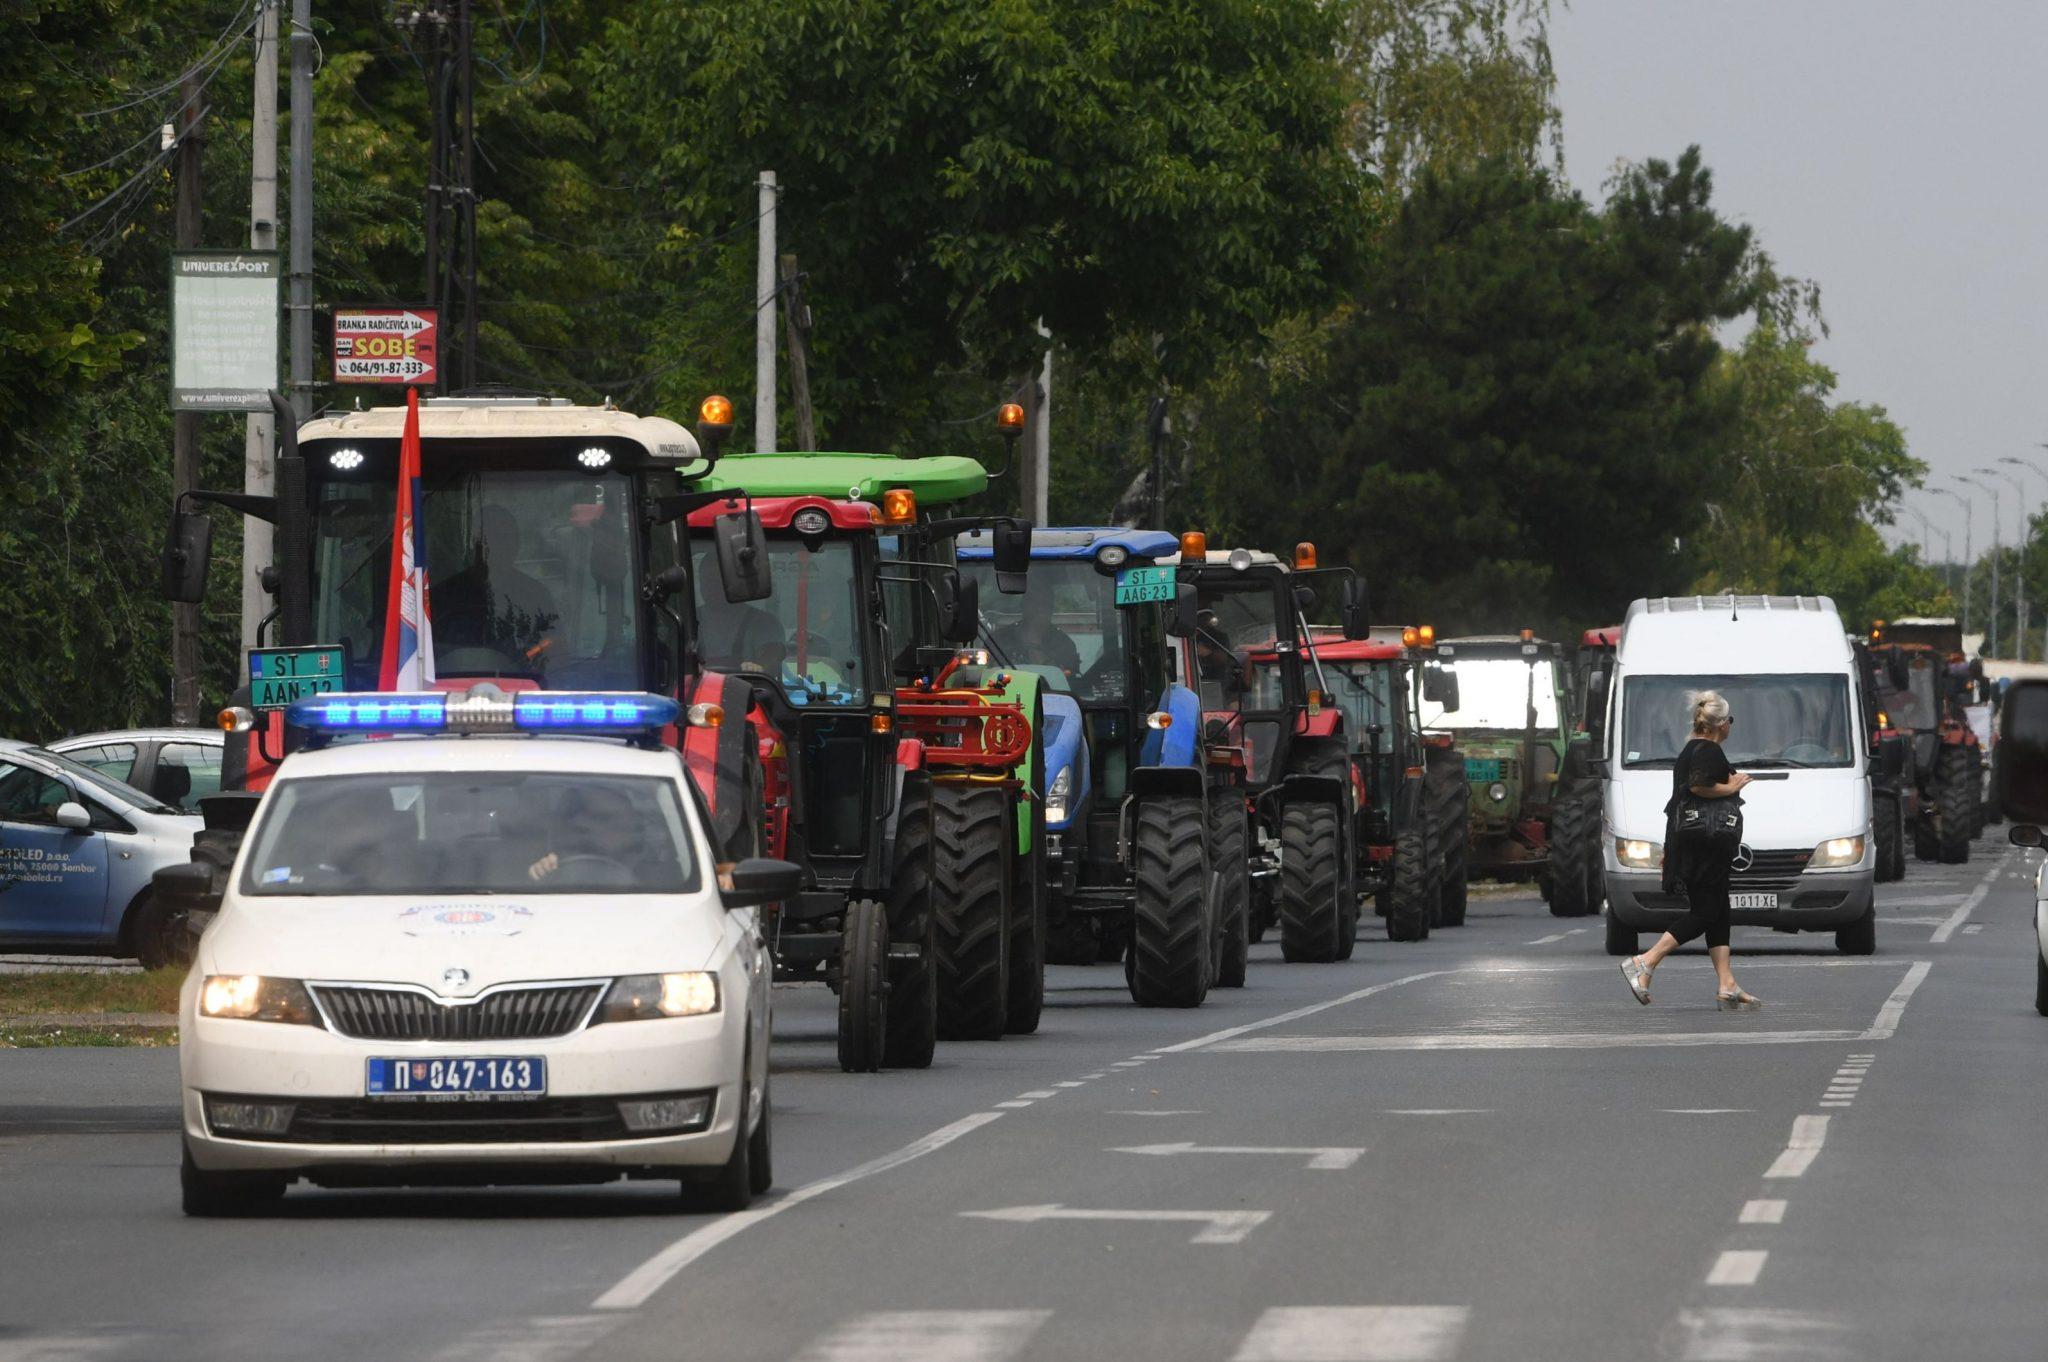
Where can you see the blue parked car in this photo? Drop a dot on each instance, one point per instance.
(1121, 733)
(77, 849)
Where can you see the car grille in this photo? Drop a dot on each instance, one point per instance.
(508, 1014)
(541, 1120)
(1771, 870)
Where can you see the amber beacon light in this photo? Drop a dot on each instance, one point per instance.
(1194, 544)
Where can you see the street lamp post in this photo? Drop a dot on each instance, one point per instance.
(1968, 547)
(1996, 548)
(2019, 493)
(2027, 530)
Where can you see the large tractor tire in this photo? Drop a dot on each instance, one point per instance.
(1413, 898)
(1028, 897)
(1955, 802)
(1926, 846)
(1452, 811)
(1173, 922)
(1233, 887)
(1621, 938)
(974, 835)
(1309, 896)
(1859, 937)
(913, 1012)
(1573, 824)
(1888, 833)
(863, 986)
(1979, 814)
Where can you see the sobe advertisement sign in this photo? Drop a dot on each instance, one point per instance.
(385, 345)
(224, 330)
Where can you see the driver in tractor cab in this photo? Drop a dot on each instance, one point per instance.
(491, 603)
(736, 636)
(1043, 641)
(1215, 658)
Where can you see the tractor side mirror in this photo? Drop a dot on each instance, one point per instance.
(1357, 609)
(959, 607)
(1010, 547)
(1187, 612)
(742, 556)
(1598, 768)
(1897, 670)
(1891, 756)
(758, 880)
(185, 557)
(1440, 686)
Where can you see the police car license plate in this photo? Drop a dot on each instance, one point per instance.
(1752, 900)
(1137, 585)
(471, 1077)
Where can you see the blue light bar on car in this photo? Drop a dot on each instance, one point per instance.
(486, 709)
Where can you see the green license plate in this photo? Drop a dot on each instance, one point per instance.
(280, 676)
(1482, 768)
(1139, 585)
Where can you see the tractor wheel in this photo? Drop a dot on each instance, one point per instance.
(1954, 800)
(157, 932)
(1568, 837)
(1889, 838)
(974, 829)
(1263, 915)
(1926, 846)
(913, 1011)
(1173, 923)
(1309, 896)
(1233, 887)
(1978, 815)
(863, 987)
(1027, 897)
(1414, 892)
(1621, 938)
(1454, 848)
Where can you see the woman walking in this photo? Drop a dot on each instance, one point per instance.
(1702, 873)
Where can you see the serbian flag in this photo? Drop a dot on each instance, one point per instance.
(408, 661)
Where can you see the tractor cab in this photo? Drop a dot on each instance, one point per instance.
(1925, 688)
(1510, 724)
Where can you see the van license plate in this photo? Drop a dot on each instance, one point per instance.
(1752, 900)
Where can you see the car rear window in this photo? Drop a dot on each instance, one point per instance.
(472, 832)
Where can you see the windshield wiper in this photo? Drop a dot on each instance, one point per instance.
(1771, 763)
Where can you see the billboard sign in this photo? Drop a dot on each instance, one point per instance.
(385, 345)
(225, 319)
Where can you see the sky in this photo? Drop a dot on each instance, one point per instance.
(1892, 152)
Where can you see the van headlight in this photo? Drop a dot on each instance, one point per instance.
(1639, 855)
(1837, 852)
(252, 997)
(1057, 797)
(650, 997)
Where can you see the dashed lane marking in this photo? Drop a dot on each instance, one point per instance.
(1159, 1113)
(1354, 1333)
(1887, 1022)
(1754, 1335)
(1326, 1157)
(1438, 1111)
(1808, 1134)
(1218, 1227)
(1554, 936)
(929, 1336)
(1762, 1212)
(1737, 1267)
(1632, 1040)
(1231, 1032)
(1969, 905)
(542, 1339)
(1038, 1096)
(1707, 1111)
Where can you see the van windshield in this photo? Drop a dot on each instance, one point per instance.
(1784, 720)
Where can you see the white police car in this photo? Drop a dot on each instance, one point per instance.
(480, 954)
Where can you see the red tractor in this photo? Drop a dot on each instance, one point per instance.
(1577, 818)
(1923, 684)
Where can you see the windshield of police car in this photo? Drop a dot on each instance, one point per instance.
(472, 832)
(807, 636)
(1781, 720)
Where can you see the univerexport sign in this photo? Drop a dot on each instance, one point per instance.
(224, 329)
(389, 345)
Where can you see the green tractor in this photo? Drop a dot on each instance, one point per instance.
(1509, 723)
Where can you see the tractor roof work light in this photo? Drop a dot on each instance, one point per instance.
(1304, 557)
(1010, 420)
(1428, 632)
(1410, 637)
(1194, 544)
(899, 506)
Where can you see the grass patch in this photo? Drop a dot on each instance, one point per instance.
(14, 1036)
(76, 991)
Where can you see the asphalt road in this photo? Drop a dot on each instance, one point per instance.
(1474, 1147)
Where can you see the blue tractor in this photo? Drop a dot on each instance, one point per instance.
(1122, 744)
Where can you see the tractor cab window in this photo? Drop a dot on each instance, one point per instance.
(1066, 621)
(806, 637)
(1502, 694)
(1365, 692)
(530, 572)
(1237, 626)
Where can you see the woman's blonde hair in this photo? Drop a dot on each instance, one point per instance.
(1709, 711)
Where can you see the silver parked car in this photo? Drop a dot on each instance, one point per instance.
(179, 766)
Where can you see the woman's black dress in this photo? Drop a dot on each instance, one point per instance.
(1701, 877)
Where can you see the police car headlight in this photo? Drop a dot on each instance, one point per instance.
(650, 997)
(1057, 797)
(1639, 855)
(252, 997)
(1497, 792)
(1836, 852)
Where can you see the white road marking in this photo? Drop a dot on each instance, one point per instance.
(1887, 1022)
(1086, 1078)
(1762, 1212)
(1973, 929)
(1737, 1267)
(1554, 936)
(1707, 1111)
(1038, 1096)
(540, 1339)
(1070, 1084)
(1012, 1106)
(1969, 905)
(1231, 1032)
(60, 1347)
(1923, 901)
(929, 1336)
(1837, 1104)
(1218, 1227)
(643, 1281)
(1354, 1333)
(1808, 1134)
(1125, 1064)
(1759, 1335)
(1438, 1111)
(1159, 1113)
(1328, 1157)
(1522, 1041)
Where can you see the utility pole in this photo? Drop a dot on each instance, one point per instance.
(259, 445)
(465, 74)
(2027, 537)
(796, 319)
(2020, 589)
(190, 229)
(1037, 485)
(1996, 550)
(764, 320)
(1968, 547)
(299, 307)
(1156, 429)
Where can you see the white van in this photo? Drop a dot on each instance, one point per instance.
(1789, 676)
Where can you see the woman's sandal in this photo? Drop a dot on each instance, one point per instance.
(1638, 978)
(1738, 1001)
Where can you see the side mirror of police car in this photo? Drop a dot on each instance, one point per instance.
(2025, 835)
(185, 557)
(72, 815)
(758, 880)
(742, 556)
